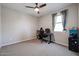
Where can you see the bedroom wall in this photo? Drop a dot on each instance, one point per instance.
(45, 22)
(17, 27)
(61, 37)
(0, 25)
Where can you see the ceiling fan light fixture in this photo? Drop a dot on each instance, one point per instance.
(36, 9)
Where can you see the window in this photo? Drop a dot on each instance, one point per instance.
(58, 23)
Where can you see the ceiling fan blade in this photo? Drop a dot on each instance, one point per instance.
(42, 5)
(29, 7)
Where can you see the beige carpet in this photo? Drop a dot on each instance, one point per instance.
(35, 48)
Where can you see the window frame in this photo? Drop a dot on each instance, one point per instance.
(56, 23)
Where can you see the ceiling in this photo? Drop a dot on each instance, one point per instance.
(50, 7)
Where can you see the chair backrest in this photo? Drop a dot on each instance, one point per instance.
(38, 32)
(47, 30)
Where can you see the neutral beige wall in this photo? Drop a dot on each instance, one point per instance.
(45, 22)
(72, 16)
(0, 25)
(17, 27)
(61, 37)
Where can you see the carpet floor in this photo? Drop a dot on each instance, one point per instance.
(35, 48)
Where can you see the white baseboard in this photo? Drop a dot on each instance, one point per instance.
(13, 42)
(62, 44)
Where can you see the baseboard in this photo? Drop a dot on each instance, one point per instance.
(65, 45)
(14, 42)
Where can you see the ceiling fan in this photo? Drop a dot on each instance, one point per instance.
(36, 8)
